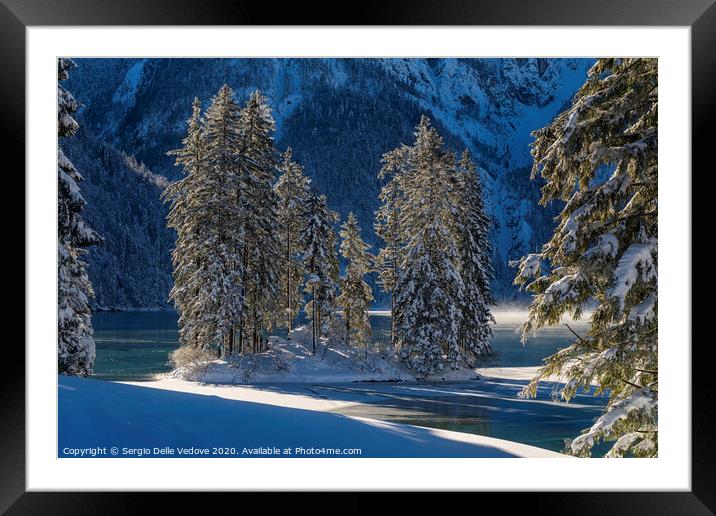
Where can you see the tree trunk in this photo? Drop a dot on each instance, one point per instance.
(255, 323)
(241, 336)
(288, 280)
(319, 321)
(314, 318)
(245, 259)
(231, 340)
(393, 340)
(348, 327)
(393, 335)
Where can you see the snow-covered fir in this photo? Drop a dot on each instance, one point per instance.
(293, 191)
(600, 157)
(387, 227)
(259, 224)
(437, 263)
(75, 345)
(206, 213)
(355, 294)
(318, 241)
(474, 252)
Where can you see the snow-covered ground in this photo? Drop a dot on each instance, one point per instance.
(175, 418)
(337, 399)
(292, 361)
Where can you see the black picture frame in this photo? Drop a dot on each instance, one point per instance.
(700, 15)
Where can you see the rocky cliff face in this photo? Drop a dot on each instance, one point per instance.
(339, 116)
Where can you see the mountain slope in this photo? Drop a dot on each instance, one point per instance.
(340, 116)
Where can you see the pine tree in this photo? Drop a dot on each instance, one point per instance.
(356, 294)
(75, 345)
(387, 227)
(181, 218)
(427, 301)
(474, 249)
(318, 241)
(600, 157)
(258, 204)
(429, 290)
(293, 193)
(206, 210)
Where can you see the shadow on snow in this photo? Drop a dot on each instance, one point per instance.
(96, 413)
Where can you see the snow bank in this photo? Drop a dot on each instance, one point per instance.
(292, 361)
(157, 422)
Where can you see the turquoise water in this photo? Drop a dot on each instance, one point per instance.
(135, 345)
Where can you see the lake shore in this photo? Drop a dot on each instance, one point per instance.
(170, 418)
(427, 404)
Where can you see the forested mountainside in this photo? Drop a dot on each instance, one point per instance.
(132, 268)
(338, 115)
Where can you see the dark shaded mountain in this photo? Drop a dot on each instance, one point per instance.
(132, 268)
(339, 116)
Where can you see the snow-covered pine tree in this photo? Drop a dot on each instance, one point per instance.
(474, 250)
(258, 205)
(181, 219)
(427, 301)
(600, 157)
(204, 204)
(356, 294)
(75, 345)
(318, 241)
(293, 190)
(387, 226)
(429, 290)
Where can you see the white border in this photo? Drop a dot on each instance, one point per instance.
(670, 471)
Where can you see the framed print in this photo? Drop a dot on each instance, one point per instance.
(416, 253)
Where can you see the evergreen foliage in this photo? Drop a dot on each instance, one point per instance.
(600, 157)
(355, 294)
(259, 219)
(436, 258)
(293, 190)
(474, 250)
(124, 206)
(207, 216)
(338, 115)
(184, 221)
(75, 345)
(318, 241)
(387, 227)
(243, 237)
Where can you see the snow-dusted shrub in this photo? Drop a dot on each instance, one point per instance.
(281, 360)
(192, 361)
(187, 355)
